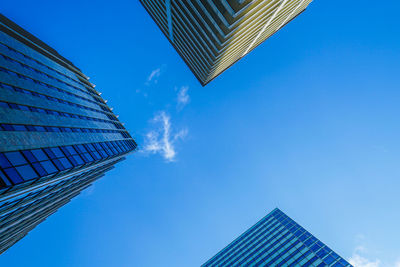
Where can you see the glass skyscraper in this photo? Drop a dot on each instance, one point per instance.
(211, 36)
(57, 135)
(277, 240)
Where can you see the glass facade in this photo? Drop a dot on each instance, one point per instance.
(211, 36)
(277, 240)
(57, 135)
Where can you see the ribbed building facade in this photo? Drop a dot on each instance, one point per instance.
(211, 35)
(57, 135)
(277, 240)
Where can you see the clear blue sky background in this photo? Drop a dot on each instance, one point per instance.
(308, 122)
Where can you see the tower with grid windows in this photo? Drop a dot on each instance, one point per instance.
(57, 135)
(212, 35)
(277, 240)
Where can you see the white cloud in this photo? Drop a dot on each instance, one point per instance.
(358, 260)
(162, 140)
(183, 97)
(153, 77)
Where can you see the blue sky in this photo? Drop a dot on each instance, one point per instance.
(308, 122)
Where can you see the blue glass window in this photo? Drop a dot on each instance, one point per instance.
(315, 247)
(48, 166)
(28, 154)
(31, 128)
(15, 158)
(96, 155)
(39, 154)
(65, 163)
(72, 150)
(57, 152)
(4, 179)
(59, 165)
(309, 263)
(7, 127)
(336, 256)
(50, 153)
(309, 241)
(26, 172)
(329, 259)
(4, 163)
(78, 159)
(39, 169)
(13, 175)
(343, 262)
(322, 253)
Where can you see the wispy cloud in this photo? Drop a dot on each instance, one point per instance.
(359, 260)
(162, 139)
(153, 77)
(183, 97)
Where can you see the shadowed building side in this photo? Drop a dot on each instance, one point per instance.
(57, 135)
(211, 36)
(277, 240)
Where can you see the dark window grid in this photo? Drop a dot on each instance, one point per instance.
(41, 64)
(285, 220)
(324, 251)
(242, 239)
(28, 210)
(54, 112)
(344, 262)
(336, 256)
(10, 205)
(276, 254)
(21, 166)
(262, 250)
(22, 76)
(112, 117)
(272, 255)
(337, 264)
(294, 256)
(329, 259)
(289, 253)
(46, 191)
(88, 91)
(37, 82)
(64, 185)
(310, 241)
(228, 253)
(39, 128)
(26, 200)
(311, 261)
(305, 236)
(263, 246)
(50, 98)
(271, 240)
(5, 213)
(60, 193)
(17, 211)
(298, 260)
(300, 256)
(43, 192)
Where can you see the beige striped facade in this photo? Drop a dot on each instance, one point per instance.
(211, 35)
